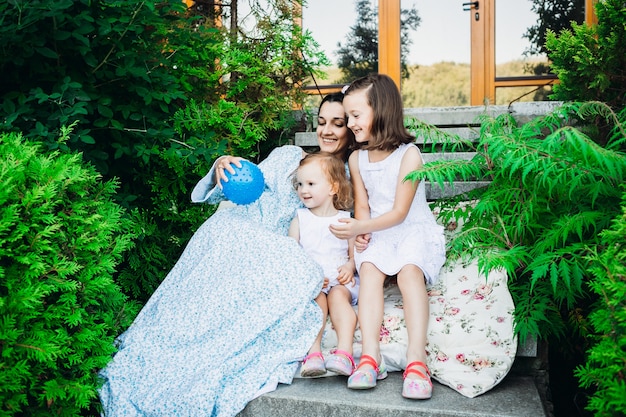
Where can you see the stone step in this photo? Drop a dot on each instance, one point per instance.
(515, 396)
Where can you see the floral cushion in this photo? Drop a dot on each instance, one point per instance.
(471, 344)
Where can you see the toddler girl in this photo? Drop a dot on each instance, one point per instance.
(323, 188)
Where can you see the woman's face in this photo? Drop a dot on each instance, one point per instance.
(332, 133)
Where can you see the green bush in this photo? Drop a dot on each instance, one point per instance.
(556, 186)
(590, 61)
(606, 359)
(61, 238)
(552, 191)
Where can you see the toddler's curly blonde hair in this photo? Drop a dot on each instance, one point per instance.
(335, 170)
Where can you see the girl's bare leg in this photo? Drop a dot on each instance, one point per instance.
(415, 299)
(313, 363)
(342, 316)
(371, 306)
(323, 303)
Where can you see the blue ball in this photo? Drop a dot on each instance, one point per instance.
(246, 185)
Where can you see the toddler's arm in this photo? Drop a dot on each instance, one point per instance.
(347, 270)
(294, 229)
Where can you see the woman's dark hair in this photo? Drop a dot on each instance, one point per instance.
(332, 98)
(388, 131)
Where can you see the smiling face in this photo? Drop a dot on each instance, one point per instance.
(360, 115)
(332, 133)
(313, 186)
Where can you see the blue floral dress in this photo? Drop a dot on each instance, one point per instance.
(231, 319)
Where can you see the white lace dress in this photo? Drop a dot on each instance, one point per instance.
(418, 240)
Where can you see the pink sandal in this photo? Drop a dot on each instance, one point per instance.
(418, 388)
(340, 362)
(367, 379)
(313, 365)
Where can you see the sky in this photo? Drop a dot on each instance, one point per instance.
(443, 34)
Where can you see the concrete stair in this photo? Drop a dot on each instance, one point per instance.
(515, 396)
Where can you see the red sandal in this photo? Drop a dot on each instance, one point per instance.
(367, 379)
(417, 388)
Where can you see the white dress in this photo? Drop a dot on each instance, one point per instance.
(418, 240)
(323, 247)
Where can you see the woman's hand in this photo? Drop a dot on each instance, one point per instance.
(348, 228)
(326, 282)
(361, 242)
(223, 164)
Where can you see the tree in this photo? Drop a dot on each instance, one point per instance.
(359, 55)
(123, 69)
(590, 61)
(554, 15)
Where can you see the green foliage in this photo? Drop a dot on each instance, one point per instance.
(358, 56)
(552, 191)
(61, 238)
(552, 15)
(590, 61)
(122, 69)
(606, 359)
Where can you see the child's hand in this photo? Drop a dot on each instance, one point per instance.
(362, 242)
(326, 282)
(346, 229)
(346, 274)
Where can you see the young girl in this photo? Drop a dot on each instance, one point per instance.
(323, 188)
(393, 218)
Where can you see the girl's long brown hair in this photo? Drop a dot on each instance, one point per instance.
(388, 131)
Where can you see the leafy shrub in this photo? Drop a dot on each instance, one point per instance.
(590, 61)
(552, 191)
(606, 359)
(61, 237)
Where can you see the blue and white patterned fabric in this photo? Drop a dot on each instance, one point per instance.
(231, 319)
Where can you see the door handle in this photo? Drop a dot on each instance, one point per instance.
(470, 6)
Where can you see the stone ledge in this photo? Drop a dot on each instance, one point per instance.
(516, 396)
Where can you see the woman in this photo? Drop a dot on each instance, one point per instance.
(235, 315)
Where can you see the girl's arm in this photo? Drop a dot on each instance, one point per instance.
(361, 204)
(405, 192)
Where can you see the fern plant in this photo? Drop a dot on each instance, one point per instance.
(553, 190)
